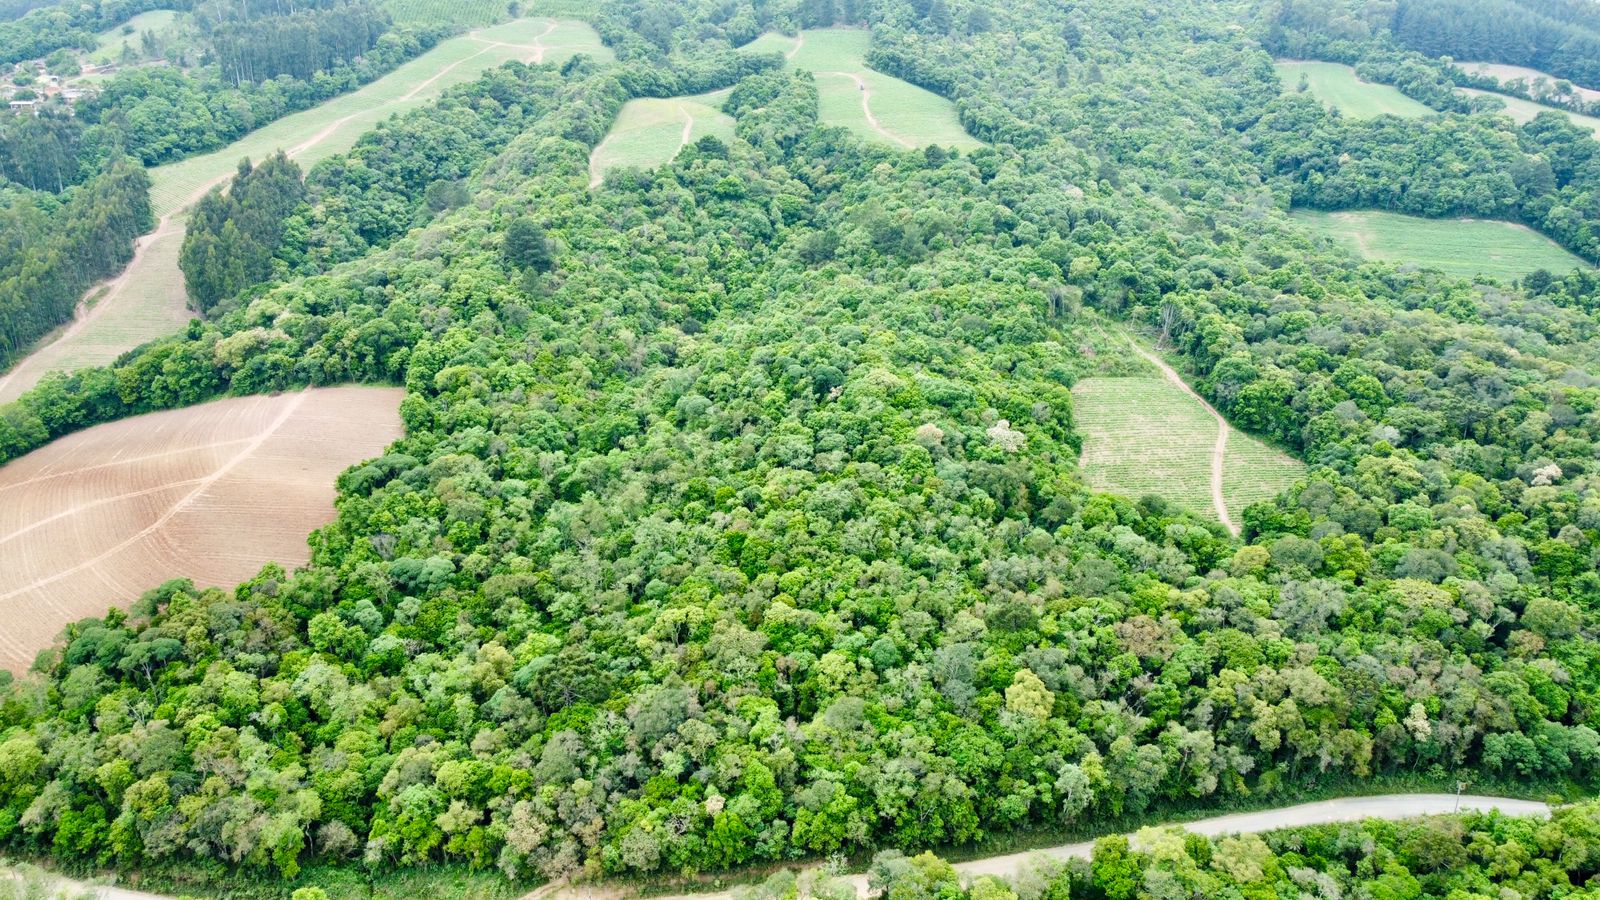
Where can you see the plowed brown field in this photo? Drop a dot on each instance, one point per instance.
(212, 493)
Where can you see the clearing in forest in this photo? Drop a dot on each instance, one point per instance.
(211, 493)
(1337, 86)
(876, 106)
(108, 44)
(147, 300)
(650, 132)
(1151, 434)
(1507, 73)
(1522, 111)
(1464, 247)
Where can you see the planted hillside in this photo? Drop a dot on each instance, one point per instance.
(739, 516)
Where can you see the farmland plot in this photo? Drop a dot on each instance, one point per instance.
(650, 132)
(1464, 247)
(211, 493)
(1337, 86)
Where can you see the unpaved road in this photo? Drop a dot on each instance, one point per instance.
(866, 108)
(1219, 450)
(1348, 809)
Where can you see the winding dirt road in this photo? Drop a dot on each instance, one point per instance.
(1219, 450)
(1389, 807)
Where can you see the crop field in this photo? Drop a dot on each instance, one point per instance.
(650, 132)
(1464, 247)
(1338, 86)
(875, 106)
(1522, 111)
(147, 300)
(1144, 435)
(108, 43)
(211, 493)
(469, 13)
(1508, 73)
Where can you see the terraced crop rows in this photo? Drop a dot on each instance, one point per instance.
(212, 493)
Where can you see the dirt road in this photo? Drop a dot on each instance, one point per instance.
(1349, 809)
(1219, 450)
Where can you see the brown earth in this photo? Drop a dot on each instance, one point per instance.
(211, 493)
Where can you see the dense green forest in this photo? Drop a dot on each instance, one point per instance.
(738, 517)
(1561, 37)
(255, 42)
(232, 235)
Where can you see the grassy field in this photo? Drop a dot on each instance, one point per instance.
(1464, 247)
(1144, 435)
(108, 44)
(873, 105)
(1338, 86)
(650, 132)
(1507, 73)
(1521, 110)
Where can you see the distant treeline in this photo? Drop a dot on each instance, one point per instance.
(1552, 36)
(44, 29)
(50, 256)
(254, 42)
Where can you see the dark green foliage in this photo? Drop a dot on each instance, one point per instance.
(43, 28)
(526, 246)
(52, 250)
(258, 42)
(1550, 35)
(232, 236)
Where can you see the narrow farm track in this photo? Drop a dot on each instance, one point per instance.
(866, 109)
(799, 41)
(1219, 451)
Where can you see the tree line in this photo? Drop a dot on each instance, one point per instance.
(56, 248)
(298, 43)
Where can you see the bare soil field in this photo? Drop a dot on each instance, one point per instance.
(211, 493)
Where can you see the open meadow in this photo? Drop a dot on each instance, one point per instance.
(650, 132)
(1337, 86)
(211, 493)
(1522, 111)
(1464, 247)
(1145, 435)
(876, 106)
(147, 300)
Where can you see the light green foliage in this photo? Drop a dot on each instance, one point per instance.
(650, 132)
(1522, 111)
(1464, 247)
(1338, 86)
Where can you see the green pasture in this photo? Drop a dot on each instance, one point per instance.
(650, 132)
(1464, 247)
(1338, 86)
